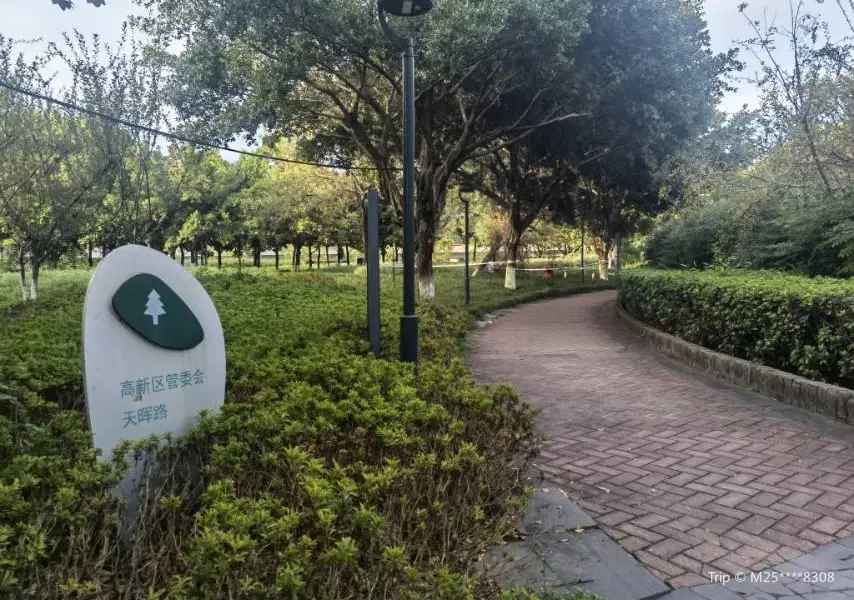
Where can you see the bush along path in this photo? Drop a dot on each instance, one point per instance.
(689, 475)
(328, 474)
(790, 322)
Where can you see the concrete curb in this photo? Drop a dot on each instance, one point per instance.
(829, 400)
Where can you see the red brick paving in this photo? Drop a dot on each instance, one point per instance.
(687, 473)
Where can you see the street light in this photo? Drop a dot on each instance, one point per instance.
(464, 190)
(409, 321)
(406, 8)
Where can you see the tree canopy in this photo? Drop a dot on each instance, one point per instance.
(66, 4)
(639, 75)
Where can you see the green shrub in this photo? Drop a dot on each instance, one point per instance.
(791, 230)
(327, 474)
(798, 324)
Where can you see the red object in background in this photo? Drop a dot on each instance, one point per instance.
(548, 274)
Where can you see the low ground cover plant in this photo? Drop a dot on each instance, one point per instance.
(795, 323)
(329, 473)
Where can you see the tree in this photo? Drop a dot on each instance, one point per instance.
(66, 4)
(205, 211)
(808, 104)
(302, 206)
(789, 94)
(324, 68)
(123, 81)
(524, 180)
(652, 82)
(52, 168)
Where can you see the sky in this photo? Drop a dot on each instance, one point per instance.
(40, 19)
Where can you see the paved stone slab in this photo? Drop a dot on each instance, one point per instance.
(687, 473)
(830, 559)
(551, 511)
(716, 592)
(682, 594)
(588, 560)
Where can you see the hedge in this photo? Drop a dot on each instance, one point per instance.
(794, 323)
(328, 473)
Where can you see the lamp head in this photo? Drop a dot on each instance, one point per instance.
(466, 188)
(406, 8)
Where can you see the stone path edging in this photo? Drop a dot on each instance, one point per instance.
(830, 400)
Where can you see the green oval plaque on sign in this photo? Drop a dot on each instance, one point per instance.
(150, 307)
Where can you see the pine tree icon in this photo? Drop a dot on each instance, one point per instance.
(154, 307)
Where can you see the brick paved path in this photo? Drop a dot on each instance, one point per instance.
(687, 473)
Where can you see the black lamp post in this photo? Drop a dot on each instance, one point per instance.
(465, 190)
(409, 321)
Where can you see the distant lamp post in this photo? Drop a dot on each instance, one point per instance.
(465, 191)
(406, 8)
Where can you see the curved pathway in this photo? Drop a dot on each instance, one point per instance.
(689, 474)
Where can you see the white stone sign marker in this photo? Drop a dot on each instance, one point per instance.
(153, 349)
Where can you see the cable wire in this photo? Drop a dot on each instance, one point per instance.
(174, 136)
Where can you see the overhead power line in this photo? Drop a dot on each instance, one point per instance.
(174, 136)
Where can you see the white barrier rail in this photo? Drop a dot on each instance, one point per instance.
(500, 265)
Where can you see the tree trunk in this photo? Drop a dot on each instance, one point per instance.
(603, 249)
(276, 252)
(618, 251)
(814, 154)
(219, 258)
(171, 253)
(192, 257)
(347, 253)
(327, 256)
(514, 242)
(424, 260)
(34, 282)
(297, 257)
(256, 257)
(491, 255)
(395, 254)
(318, 256)
(474, 251)
(91, 259)
(22, 270)
(340, 253)
(182, 255)
(513, 246)
(310, 257)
